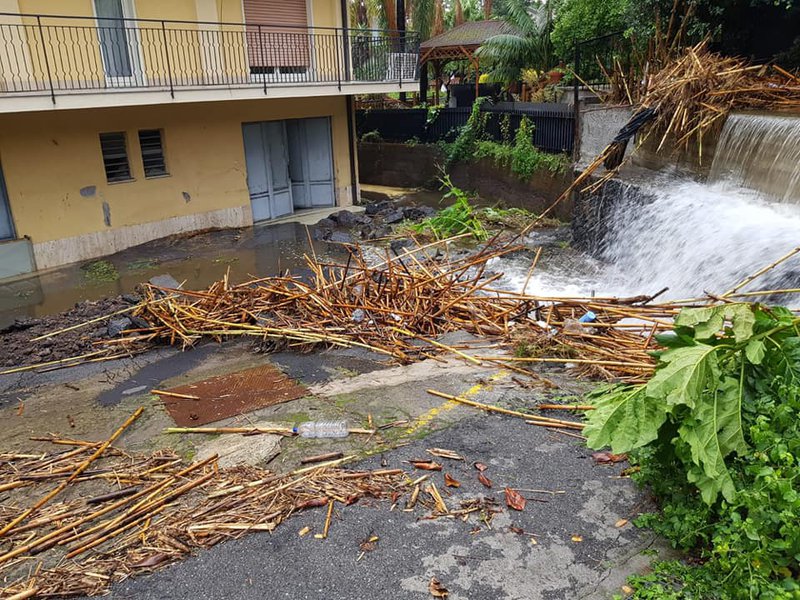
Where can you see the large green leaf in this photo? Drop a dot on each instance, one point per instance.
(684, 374)
(624, 418)
(707, 322)
(713, 432)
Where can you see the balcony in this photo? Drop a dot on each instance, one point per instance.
(79, 62)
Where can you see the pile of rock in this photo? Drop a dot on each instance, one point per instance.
(375, 222)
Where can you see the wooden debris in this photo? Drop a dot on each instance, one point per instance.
(166, 510)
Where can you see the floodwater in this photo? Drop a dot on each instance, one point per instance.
(198, 259)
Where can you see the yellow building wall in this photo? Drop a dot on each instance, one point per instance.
(56, 180)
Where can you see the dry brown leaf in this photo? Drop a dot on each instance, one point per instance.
(444, 453)
(426, 465)
(621, 523)
(480, 466)
(514, 499)
(517, 530)
(484, 480)
(607, 458)
(449, 481)
(150, 561)
(436, 589)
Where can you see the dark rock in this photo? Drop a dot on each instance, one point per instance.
(417, 213)
(131, 298)
(139, 322)
(344, 218)
(362, 219)
(377, 208)
(326, 223)
(117, 325)
(341, 237)
(394, 216)
(165, 281)
(397, 245)
(319, 233)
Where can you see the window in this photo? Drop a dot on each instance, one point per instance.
(152, 153)
(115, 156)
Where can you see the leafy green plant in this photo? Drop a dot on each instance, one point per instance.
(372, 137)
(526, 45)
(458, 218)
(716, 432)
(523, 158)
(463, 147)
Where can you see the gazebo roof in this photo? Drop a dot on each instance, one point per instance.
(467, 35)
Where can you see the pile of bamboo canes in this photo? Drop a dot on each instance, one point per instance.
(390, 307)
(131, 513)
(700, 88)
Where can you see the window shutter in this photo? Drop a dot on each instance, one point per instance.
(286, 46)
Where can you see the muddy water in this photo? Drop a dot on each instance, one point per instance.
(197, 259)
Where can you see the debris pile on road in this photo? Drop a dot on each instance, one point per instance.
(113, 514)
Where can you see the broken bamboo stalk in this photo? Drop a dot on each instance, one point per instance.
(81, 468)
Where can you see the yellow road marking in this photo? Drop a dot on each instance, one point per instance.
(425, 419)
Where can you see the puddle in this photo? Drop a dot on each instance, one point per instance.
(199, 259)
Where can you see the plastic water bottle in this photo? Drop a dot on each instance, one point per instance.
(323, 429)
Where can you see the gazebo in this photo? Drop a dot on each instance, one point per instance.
(460, 43)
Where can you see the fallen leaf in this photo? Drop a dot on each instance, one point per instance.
(368, 545)
(475, 530)
(621, 523)
(514, 499)
(150, 561)
(484, 480)
(626, 589)
(312, 502)
(449, 481)
(577, 538)
(480, 466)
(607, 458)
(436, 589)
(517, 530)
(426, 465)
(304, 531)
(443, 453)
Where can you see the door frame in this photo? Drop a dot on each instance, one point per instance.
(5, 207)
(137, 75)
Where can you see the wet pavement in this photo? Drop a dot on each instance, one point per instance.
(571, 545)
(198, 259)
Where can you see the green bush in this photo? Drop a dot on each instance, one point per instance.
(523, 158)
(458, 218)
(716, 433)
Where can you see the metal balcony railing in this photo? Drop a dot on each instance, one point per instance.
(62, 55)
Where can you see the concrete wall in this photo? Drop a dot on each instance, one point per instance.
(401, 165)
(599, 125)
(60, 199)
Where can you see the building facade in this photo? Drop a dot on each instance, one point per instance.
(122, 121)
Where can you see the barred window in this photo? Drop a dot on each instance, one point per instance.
(150, 141)
(115, 156)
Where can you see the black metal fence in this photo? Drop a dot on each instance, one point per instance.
(57, 54)
(553, 124)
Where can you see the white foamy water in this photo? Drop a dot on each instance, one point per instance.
(698, 237)
(693, 237)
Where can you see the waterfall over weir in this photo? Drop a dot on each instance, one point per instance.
(760, 152)
(694, 237)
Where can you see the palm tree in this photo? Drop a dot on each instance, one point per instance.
(506, 55)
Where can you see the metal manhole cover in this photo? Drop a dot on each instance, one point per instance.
(232, 394)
